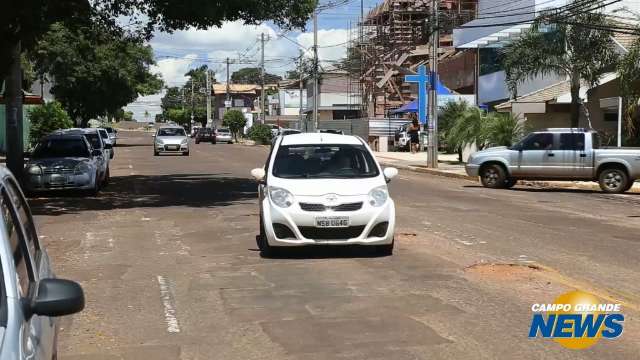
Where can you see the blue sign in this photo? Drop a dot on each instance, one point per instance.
(422, 79)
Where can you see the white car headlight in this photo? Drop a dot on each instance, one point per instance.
(35, 170)
(185, 141)
(81, 168)
(280, 197)
(378, 196)
(159, 142)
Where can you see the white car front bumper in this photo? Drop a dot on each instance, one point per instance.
(302, 224)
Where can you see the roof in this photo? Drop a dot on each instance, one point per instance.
(64, 136)
(320, 138)
(235, 88)
(626, 41)
(77, 131)
(543, 95)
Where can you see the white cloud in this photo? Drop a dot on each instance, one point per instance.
(178, 52)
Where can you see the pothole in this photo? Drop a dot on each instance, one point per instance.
(506, 271)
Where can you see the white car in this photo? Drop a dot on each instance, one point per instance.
(324, 189)
(223, 135)
(171, 140)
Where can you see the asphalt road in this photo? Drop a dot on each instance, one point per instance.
(167, 258)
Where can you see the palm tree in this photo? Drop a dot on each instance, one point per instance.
(469, 129)
(578, 47)
(451, 113)
(629, 71)
(503, 129)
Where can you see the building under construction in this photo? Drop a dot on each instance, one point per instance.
(394, 39)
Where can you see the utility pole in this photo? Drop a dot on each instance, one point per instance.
(208, 87)
(432, 148)
(262, 105)
(193, 106)
(300, 71)
(228, 87)
(316, 95)
(13, 127)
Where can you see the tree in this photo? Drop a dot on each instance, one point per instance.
(503, 129)
(580, 53)
(96, 71)
(47, 118)
(178, 116)
(235, 121)
(469, 129)
(451, 114)
(183, 98)
(260, 133)
(629, 70)
(253, 76)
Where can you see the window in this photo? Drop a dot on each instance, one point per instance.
(597, 142)
(94, 140)
(571, 141)
(171, 132)
(238, 102)
(539, 141)
(324, 161)
(20, 257)
(24, 214)
(72, 147)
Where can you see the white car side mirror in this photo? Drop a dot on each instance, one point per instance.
(390, 173)
(258, 174)
(154, 135)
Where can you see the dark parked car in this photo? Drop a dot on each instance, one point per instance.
(206, 134)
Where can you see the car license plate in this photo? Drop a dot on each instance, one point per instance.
(57, 179)
(174, 147)
(332, 222)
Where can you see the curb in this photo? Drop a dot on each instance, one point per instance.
(425, 170)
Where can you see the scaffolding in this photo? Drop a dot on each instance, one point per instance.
(393, 40)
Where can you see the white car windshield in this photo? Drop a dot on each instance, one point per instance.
(54, 148)
(171, 132)
(324, 161)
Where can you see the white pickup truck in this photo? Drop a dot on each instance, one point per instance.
(557, 154)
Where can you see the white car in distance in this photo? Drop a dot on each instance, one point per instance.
(324, 189)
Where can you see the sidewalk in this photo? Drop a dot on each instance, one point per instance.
(449, 166)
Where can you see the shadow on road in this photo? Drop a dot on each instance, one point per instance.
(324, 252)
(550, 190)
(132, 145)
(140, 191)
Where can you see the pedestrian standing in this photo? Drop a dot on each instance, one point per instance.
(414, 134)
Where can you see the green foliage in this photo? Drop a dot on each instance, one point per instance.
(47, 118)
(629, 71)
(235, 121)
(472, 126)
(184, 98)
(503, 129)
(253, 76)
(468, 129)
(582, 54)
(178, 116)
(96, 71)
(260, 133)
(451, 112)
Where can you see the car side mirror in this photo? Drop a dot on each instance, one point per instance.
(57, 297)
(258, 174)
(108, 146)
(96, 152)
(390, 173)
(27, 154)
(154, 135)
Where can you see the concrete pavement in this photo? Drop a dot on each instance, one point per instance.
(168, 260)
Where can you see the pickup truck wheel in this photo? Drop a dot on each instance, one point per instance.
(614, 181)
(493, 176)
(511, 182)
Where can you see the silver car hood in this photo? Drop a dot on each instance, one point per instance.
(171, 140)
(63, 163)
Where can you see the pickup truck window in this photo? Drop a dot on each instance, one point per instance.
(538, 141)
(571, 141)
(596, 141)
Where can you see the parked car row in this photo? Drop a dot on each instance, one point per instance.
(70, 159)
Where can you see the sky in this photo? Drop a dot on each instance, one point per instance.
(178, 52)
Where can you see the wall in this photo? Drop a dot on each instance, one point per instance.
(493, 87)
(608, 90)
